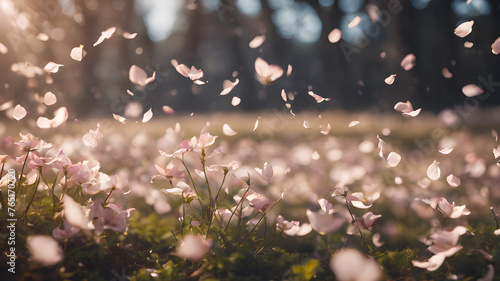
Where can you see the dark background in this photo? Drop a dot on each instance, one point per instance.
(214, 35)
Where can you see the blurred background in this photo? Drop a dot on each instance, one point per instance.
(214, 35)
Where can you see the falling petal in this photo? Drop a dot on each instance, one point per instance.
(464, 29)
(433, 172)
(393, 159)
(468, 2)
(472, 90)
(327, 130)
(75, 215)
(42, 37)
(468, 44)
(228, 86)
(403, 106)
(235, 101)
(60, 116)
(77, 53)
(6, 105)
(453, 180)
(43, 123)
(52, 67)
(446, 73)
(127, 35)
(3, 49)
(44, 250)
(167, 109)
(413, 113)
(353, 123)
(92, 138)
(306, 125)
(138, 76)
(289, 70)
(19, 112)
(495, 47)
(267, 73)
(318, 98)
(199, 82)
(130, 93)
(227, 130)
(408, 62)
(106, 34)
(446, 150)
(257, 41)
(119, 118)
(256, 124)
(335, 35)
(389, 80)
(49, 98)
(147, 116)
(354, 22)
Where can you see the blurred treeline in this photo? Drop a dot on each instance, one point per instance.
(217, 41)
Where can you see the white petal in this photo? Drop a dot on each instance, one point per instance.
(75, 215)
(433, 172)
(306, 125)
(283, 95)
(167, 109)
(19, 112)
(49, 98)
(60, 116)
(468, 44)
(127, 35)
(147, 116)
(453, 180)
(43, 123)
(403, 106)
(3, 49)
(77, 53)
(256, 124)
(44, 250)
(227, 130)
(335, 35)
(353, 123)
(227, 86)
(446, 73)
(464, 29)
(52, 67)
(327, 130)
(289, 70)
(106, 34)
(472, 90)
(414, 113)
(235, 101)
(446, 150)
(119, 118)
(393, 159)
(318, 98)
(257, 41)
(389, 80)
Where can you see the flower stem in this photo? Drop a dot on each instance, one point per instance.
(22, 171)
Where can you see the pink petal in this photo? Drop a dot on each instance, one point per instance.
(52, 67)
(130, 93)
(446, 150)
(182, 69)
(44, 250)
(495, 47)
(472, 90)
(464, 29)
(289, 70)
(468, 44)
(49, 98)
(306, 125)
(433, 171)
(235, 101)
(77, 53)
(393, 159)
(335, 35)
(353, 123)
(195, 74)
(323, 222)
(408, 62)
(413, 113)
(106, 34)
(147, 116)
(403, 106)
(75, 214)
(283, 95)
(43, 123)
(327, 130)
(119, 118)
(199, 82)
(3, 49)
(256, 124)
(446, 73)
(60, 116)
(139, 77)
(453, 180)
(318, 98)
(228, 86)
(257, 41)
(354, 22)
(228, 131)
(167, 109)
(127, 35)
(19, 112)
(389, 80)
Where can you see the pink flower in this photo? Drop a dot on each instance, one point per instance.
(182, 189)
(110, 217)
(358, 200)
(266, 173)
(450, 210)
(368, 220)
(67, 232)
(292, 228)
(193, 247)
(92, 138)
(266, 73)
(29, 142)
(259, 201)
(323, 222)
(171, 172)
(60, 162)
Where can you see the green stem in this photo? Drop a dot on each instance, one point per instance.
(269, 243)
(220, 188)
(248, 233)
(22, 171)
(236, 208)
(354, 221)
(37, 182)
(192, 182)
